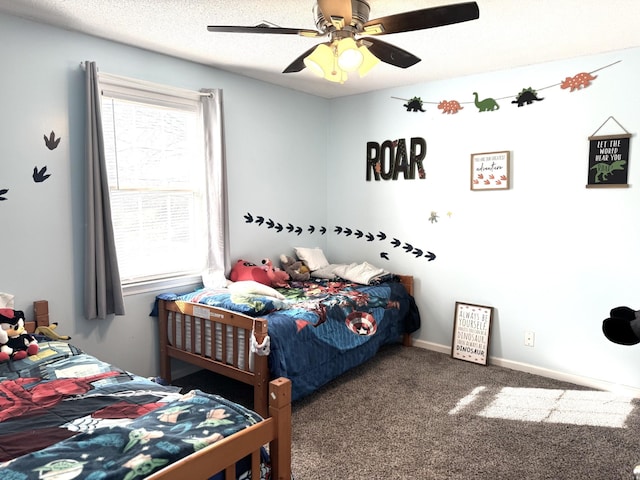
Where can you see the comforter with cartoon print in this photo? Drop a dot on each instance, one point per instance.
(66, 414)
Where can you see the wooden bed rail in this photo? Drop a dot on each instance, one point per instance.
(193, 350)
(223, 455)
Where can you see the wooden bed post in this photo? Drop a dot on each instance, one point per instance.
(280, 410)
(163, 333)
(407, 281)
(261, 372)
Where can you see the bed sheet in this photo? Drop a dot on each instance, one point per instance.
(66, 413)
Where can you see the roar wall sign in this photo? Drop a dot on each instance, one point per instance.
(386, 161)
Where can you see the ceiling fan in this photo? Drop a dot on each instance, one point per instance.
(345, 21)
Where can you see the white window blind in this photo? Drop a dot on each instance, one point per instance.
(156, 170)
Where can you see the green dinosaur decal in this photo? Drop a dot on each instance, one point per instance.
(486, 105)
(605, 169)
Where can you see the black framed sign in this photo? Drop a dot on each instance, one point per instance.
(471, 331)
(608, 161)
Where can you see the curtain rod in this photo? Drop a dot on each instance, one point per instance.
(149, 85)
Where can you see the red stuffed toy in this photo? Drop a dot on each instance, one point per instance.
(15, 342)
(244, 270)
(266, 273)
(278, 277)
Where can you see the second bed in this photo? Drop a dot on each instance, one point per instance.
(311, 333)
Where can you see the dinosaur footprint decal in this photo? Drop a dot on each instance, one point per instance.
(345, 231)
(51, 142)
(40, 175)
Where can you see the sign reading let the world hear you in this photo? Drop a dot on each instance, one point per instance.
(608, 159)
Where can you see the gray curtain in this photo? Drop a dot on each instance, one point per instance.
(218, 263)
(102, 287)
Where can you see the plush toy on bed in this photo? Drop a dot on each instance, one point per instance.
(15, 342)
(278, 277)
(297, 270)
(266, 273)
(622, 326)
(245, 270)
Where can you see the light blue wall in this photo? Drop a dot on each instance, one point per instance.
(275, 157)
(550, 255)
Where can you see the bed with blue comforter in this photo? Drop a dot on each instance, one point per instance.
(317, 329)
(66, 414)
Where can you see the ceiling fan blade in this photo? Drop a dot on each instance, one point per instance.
(422, 19)
(267, 30)
(390, 53)
(336, 9)
(298, 64)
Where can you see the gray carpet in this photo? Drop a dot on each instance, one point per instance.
(411, 413)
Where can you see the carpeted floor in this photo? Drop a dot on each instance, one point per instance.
(411, 413)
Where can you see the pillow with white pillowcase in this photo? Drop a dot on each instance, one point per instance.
(312, 257)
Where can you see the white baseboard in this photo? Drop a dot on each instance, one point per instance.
(543, 372)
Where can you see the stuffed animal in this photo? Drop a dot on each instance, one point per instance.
(297, 270)
(622, 326)
(278, 277)
(245, 270)
(15, 342)
(266, 273)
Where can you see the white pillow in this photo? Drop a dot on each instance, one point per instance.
(312, 257)
(255, 288)
(327, 272)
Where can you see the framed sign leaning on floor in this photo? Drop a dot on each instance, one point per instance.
(471, 331)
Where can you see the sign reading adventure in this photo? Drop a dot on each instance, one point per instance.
(389, 160)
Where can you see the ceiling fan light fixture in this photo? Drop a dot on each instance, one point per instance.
(323, 63)
(369, 60)
(320, 60)
(349, 55)
(336, 75)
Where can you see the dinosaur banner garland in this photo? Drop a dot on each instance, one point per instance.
(526, 96)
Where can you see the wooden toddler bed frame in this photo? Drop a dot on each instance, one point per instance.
(235, 333)
(222, 456)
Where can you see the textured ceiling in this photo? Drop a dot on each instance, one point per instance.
(509, 33)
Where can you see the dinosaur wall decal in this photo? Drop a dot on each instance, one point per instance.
(486, 105)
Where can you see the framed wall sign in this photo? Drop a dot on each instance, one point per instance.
(608, 158)
(471, 330)
(490, 171)
(608, 161)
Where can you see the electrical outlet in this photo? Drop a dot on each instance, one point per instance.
(529, 338)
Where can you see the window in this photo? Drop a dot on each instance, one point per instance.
(154, 147)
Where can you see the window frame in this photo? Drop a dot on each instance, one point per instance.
(133, 90)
